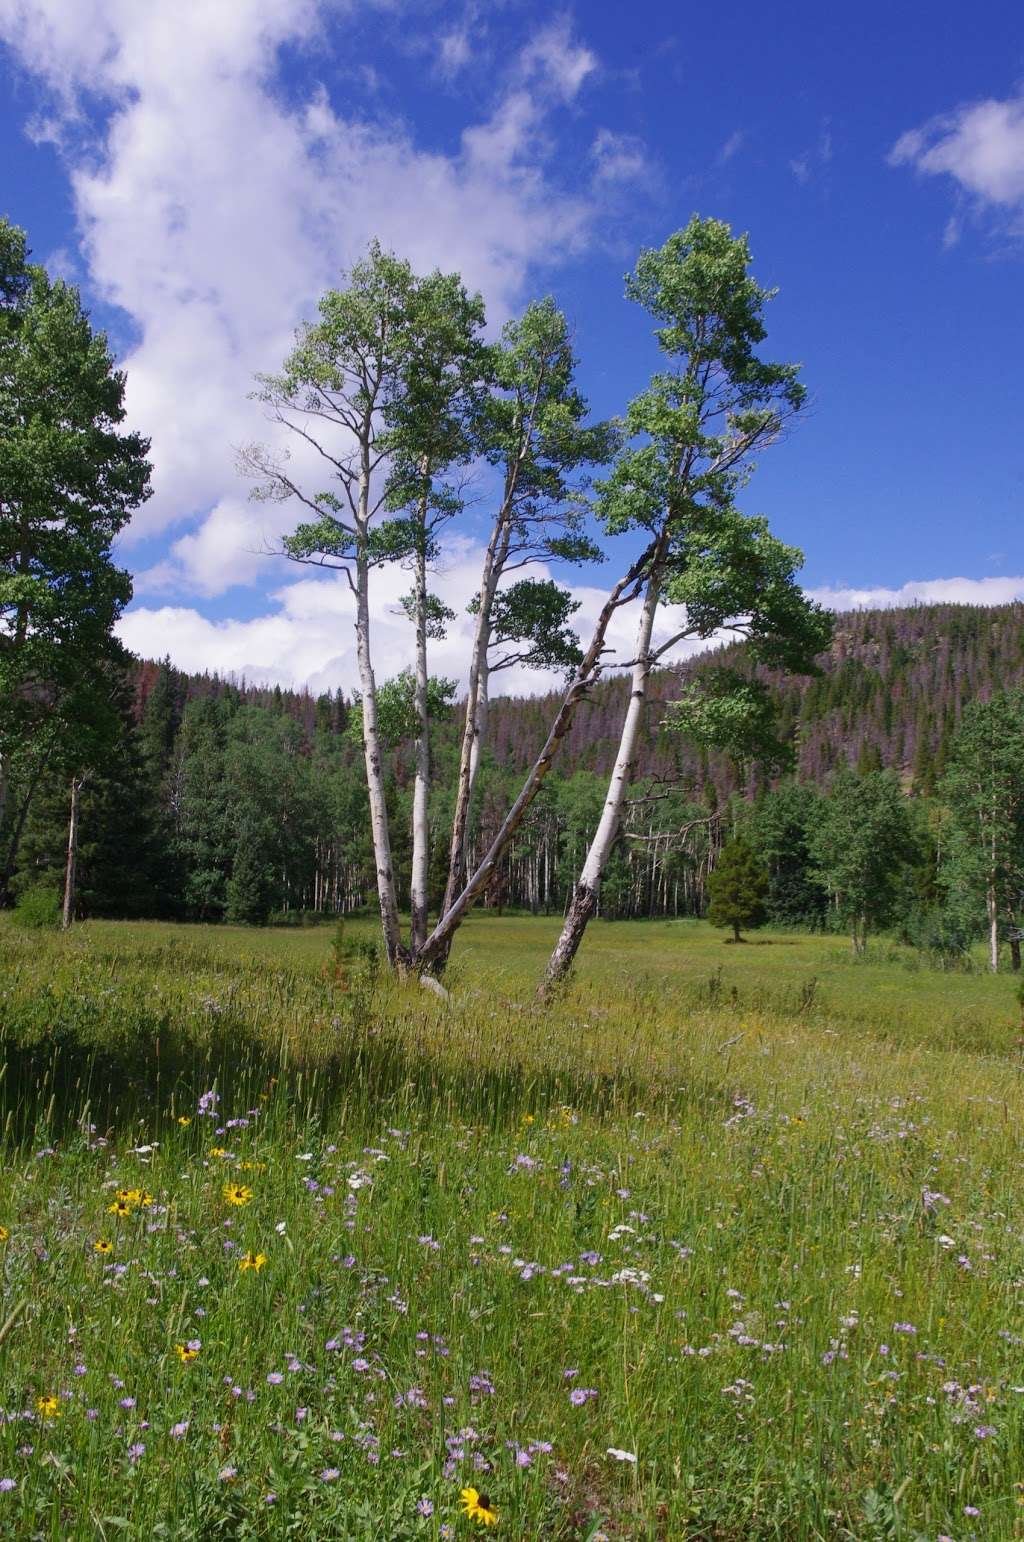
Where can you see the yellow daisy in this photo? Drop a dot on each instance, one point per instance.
(185, 1354)
(49, 1407)
(218, 1151)
(4, 1234)
(129, 1196)
(237, 1193)
(184, 1119)
(478, 1507)
(103, 1246)
(120, 1208)
(251, 1261)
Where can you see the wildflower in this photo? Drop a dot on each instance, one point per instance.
(208, 1104)
(186, 1353)
(228, 1474)
(329, 1474)
(580, 1395)
(102, 1246)
(49, 1407)
(6, 1484)
(218, 1151)
(4, 1234)
(621, 1456)
(251, 1261)
(275, 1378)
(237, 1193)
(478, 1507)
(121, 1208)
(145, 1199)
(135, 1451)
(184, 1120)
(178, 1431)
(424, 1506)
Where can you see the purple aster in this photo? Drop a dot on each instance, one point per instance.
(135, 1451)
(275, 1378)
(424, 1507)
(580, 1395)
(179, 1430)
(330, 1474)
(6, 1484)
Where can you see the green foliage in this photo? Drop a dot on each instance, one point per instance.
(737, 888)
(983, 789)
(70, 478)
(862, 843)
(396, 712)
(38, 908)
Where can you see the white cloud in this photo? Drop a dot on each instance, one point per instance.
(980, 146)
(732, 145)
(308, 639)
(214, 210)
(619, 158)
(929, 591)
(556, 58)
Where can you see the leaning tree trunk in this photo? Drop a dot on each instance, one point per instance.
(440, 939)
(371, 748)
(585, 895)
(473, 728)
(421, 786)
(71, 870)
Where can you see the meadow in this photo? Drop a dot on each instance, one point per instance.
(724, 1244)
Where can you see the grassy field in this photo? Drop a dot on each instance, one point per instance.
(725, 1244)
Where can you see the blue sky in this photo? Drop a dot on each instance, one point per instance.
(205, 171)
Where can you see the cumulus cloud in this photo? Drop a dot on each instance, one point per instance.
(215, 206)
(307, 639)
(980, 147)
(928, 591)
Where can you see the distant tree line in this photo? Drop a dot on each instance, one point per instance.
(219, 803)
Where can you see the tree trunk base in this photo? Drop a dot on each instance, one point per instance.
(584, 903)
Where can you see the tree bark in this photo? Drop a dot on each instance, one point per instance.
(469, 754)
(371, 736)
(71, 868)
(439, 941)
(421, 786)
(584, 900)
(992, 910)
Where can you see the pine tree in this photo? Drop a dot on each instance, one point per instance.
(737, 888)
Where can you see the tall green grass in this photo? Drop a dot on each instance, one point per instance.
(723, 1245)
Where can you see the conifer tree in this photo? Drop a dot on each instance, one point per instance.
(737, 889)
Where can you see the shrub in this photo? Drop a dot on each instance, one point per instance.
(38, 908)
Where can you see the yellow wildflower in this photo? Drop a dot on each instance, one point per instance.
(237, 1193)
(49, 1407)
(185, 1353)
(478, 1507)
(102, 1246)
(251, 1261)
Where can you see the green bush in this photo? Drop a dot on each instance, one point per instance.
(38, 908)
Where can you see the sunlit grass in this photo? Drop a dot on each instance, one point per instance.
(773, 1238)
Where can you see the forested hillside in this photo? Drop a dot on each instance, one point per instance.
(228, 800)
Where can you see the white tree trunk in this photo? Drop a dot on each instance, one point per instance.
(371, 735)
(584, 900)
(992, 908)
(71, 869)
(479, 739)
(421, 787)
